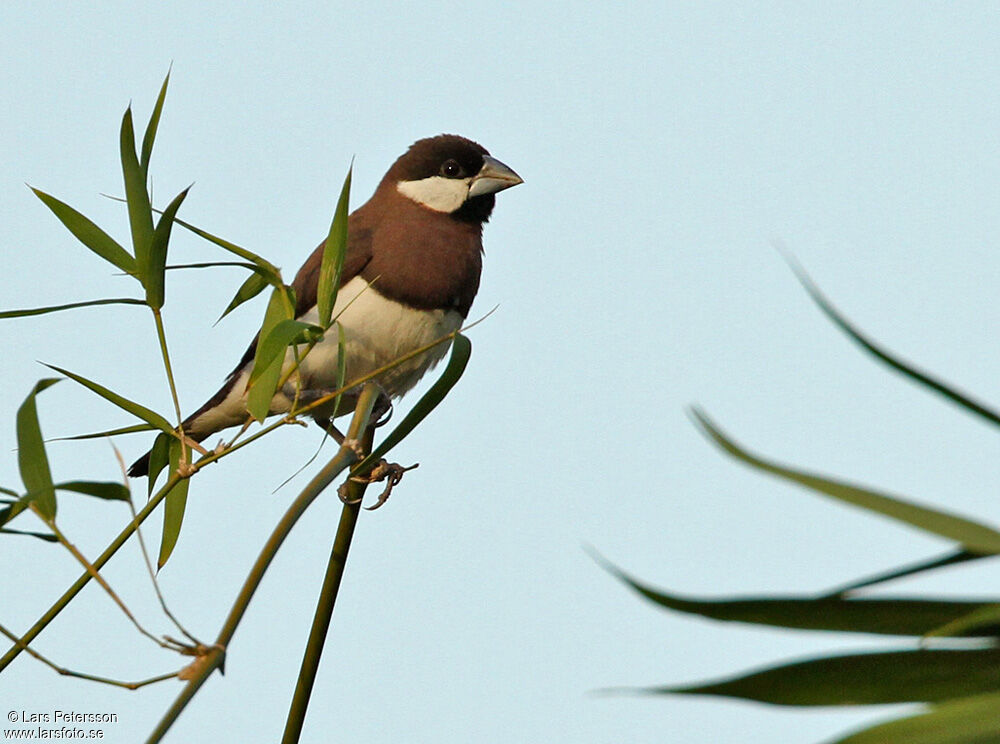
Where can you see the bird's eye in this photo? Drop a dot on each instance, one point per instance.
(451, 169)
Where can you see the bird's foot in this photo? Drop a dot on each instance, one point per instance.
(382, 411)
(390, 472)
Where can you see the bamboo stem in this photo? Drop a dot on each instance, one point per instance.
(327, 599)
(215, 657)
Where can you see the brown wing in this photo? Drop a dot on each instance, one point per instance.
(306, 282)
(359, 253)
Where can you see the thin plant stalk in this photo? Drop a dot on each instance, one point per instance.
(162, 336)
(81, 582)
(82, 675)
(327, 599)
(51, 524)
(130, 528)
(215, 656)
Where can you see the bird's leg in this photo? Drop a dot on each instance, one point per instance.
(390, 472)
(382, 411)
(326, 424)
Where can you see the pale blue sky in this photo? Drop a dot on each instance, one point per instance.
(664, 147)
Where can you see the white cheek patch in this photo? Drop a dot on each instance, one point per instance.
(437, 192)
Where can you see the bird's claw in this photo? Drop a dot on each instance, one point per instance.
(383, 411)
(342, 493)
(390, 472)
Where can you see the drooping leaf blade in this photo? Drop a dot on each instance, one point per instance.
(32, 461)
(896, 616)
(46, 536)
(341, 367)
(107, 490)
(13, 508)
(334, 249)
(986, 617)
(69, 306)
(268, 269)
(267, 373)
(908, 370)
(211, 265)
(134, 429)
(173, 510)
(924, 675)
(276, 341)
(971, 720)
(159, 458)
(461, 350)
(158, 252)
(251, 287)
(977, 538)
(951, 558)
(89, 234)
(140, 211)
(150, 417)
(154, 122)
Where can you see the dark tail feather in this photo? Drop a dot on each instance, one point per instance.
(140, 467)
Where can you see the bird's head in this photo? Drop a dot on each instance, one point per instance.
(452, 175)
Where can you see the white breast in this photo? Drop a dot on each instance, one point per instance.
(377, 331)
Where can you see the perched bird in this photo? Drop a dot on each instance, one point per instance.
(411, 270)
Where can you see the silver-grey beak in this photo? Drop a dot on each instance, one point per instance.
(494, 176)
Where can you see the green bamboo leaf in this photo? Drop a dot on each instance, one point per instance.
(31, 458)
(277, 340)
(951, 558)
(333, 256)
(151, 417)
(267, 373)
(158, 252)
(88, 233)
(863, 679)
(47, 536)
(976, 537)
(897, 616)
(154, 122)
(173, 511)
(461, 350)
(971, 720)
(9, 492)
(135, 428)
(159, 458)
(109, 491)
(341, 368)
(69, 306)
(14, 508)
(268, 269)
(140, 211)
(210, 265)
(984, 620)
(253, 286)
(907, 369)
